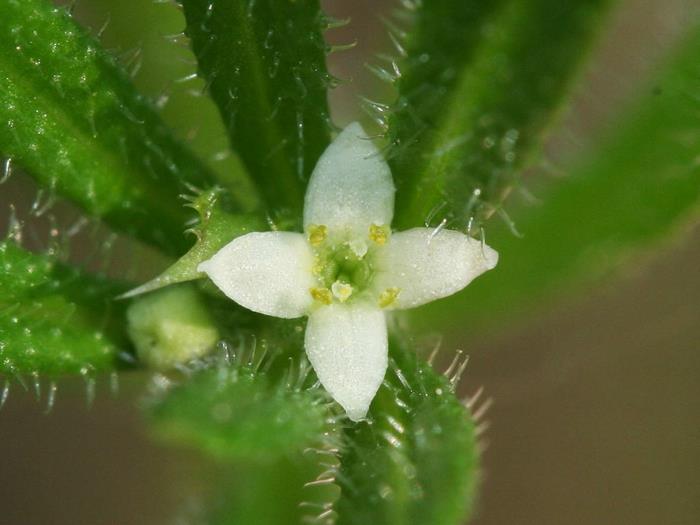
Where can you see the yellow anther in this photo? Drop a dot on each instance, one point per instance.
(388, 296)
(317, 234)
(379, 234)
(322, 295)
(342, 291)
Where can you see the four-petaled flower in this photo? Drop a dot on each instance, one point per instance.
(347, 269)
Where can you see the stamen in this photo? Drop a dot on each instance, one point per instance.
(379, 234)
(388, 296)
(317, 234)
(317, 267)
(322, 295)
(342, 291)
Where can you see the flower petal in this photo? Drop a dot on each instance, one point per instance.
(425, 265)
(347, 346)
(267, 272)
(351, 186)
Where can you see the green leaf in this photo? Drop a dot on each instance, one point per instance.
(639, 188)
(481, 83)
(55, 319)
(416, 461)
(235, 411)
(264, 63)
(161, 68)
(216, 228)
(252, 409)
(273, 494)
(71, 117)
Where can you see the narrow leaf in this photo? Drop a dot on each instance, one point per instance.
(234, 411)
(638, 189)
(416, 462)
(54, 319)
(216, 227)
(275, 493)
(256, 409)
(71, 118)
(264, 63)
(474, 102)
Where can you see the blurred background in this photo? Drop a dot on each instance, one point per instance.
(596, 418)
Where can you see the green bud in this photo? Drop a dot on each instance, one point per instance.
(171, 326)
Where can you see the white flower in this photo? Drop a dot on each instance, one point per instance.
(347, 269)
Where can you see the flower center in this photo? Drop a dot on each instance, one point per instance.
(344, 267)
(343, 264)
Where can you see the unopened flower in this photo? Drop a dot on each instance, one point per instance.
(347, 269)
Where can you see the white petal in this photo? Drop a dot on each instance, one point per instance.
(266, 272)
(425, 265)
(351, 186)
(347, 346)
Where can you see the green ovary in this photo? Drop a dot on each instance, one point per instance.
(340, 265)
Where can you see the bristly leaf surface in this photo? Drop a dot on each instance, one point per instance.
(264, 64)
(640, 187)
(481, 82)
(70, 116)
(238, 413)
(416, 461)
(56, 320)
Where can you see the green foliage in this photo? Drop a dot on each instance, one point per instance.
(72, 119)
(638, 188)
(216, 228)
(246, 496)
(237, 412)
(149, 42)
(480, 83)
(415, 462)
(55, 319)
(257, 411)
(264, 64)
